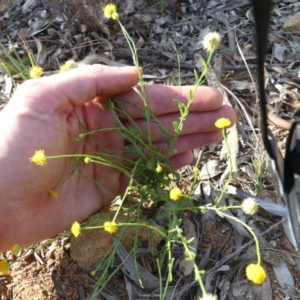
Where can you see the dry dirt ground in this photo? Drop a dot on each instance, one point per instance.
(168, 35)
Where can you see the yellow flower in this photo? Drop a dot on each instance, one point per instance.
(195, 170)
(208, 297)
(4, 267)
(158, 168)
(211, 41)
(110, 227)
(68, 65)
(250, 206)
(110, 11)
(36, 72)
(175, 194)
(87, 160)
(53, 194)
(15, 249)
(39, 158)
(76, 229)
(256, 273)
(222, 123)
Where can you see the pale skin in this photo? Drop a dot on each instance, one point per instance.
(46, 114)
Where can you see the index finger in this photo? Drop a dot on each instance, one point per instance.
(76, 87)
(160, 99)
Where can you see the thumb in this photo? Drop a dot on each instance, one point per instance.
(77, 86)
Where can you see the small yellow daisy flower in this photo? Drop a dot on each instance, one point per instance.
(87, 160)
(36, 72)
(175, 194)
(4, 267)
(110, 11)
(222, 123)
(158, 168)
(256, 273)
(76, 229)
(208, 297)
(250, 206)
(53, 194)
(211, 41)
(110, 227)
(16, 249)
(68, 65)
(39, 158)
(195, 170)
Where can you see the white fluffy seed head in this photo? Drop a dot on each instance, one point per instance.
(211, 41)
(250, 206)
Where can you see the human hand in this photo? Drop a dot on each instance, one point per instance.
(49, 113)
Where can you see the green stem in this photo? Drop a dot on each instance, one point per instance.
(126, 192)
(94, 159)
(129, 224)
(210, 57)
(246, 226)
(224, 189)
(196, 271)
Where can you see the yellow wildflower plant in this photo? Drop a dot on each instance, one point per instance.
(39, 158)
(222, 123)
(68, 65)
(16, 249)
(256, 273)
(76, 229)
(175, 194)
(110, 227)
(36, 72)
(53, 194)
(158, 168)
(4, 267)
(211, 41)
(250, 206)
(110, 11)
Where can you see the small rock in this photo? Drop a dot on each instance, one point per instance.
(88, 249)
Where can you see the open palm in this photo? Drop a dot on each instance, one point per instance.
(49, 113)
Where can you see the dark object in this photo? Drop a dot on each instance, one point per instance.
(286, 171)
(57, 284)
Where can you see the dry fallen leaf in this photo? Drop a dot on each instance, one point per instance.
(210, 169)
(137, 273)
(293, 24)
(41, 56)
(186, 267)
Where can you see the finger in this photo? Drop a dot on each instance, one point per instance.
(78, 86)
(195, 122)
(180, 160)
(161, 99)
(183, 144)
(195, 140)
